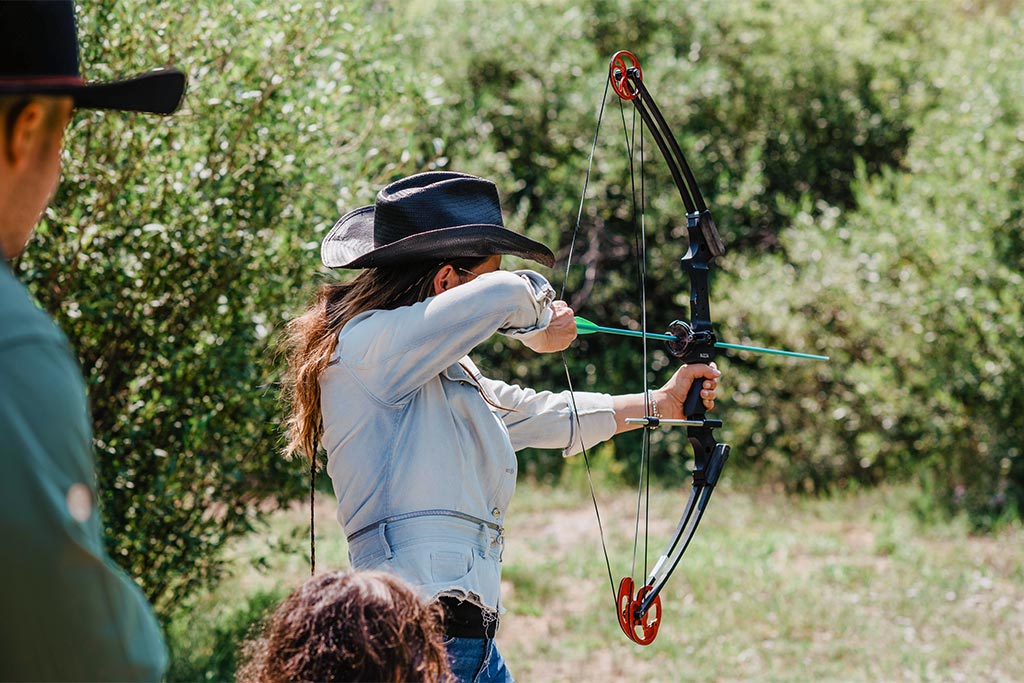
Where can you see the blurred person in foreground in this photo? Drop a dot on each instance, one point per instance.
(350, 626)
(66, 611)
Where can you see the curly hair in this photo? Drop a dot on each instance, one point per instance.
(350, 626)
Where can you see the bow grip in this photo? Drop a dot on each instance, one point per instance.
(693, 406)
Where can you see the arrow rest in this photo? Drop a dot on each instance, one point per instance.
(686, 339)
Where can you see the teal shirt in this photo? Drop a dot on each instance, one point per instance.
(67, 612)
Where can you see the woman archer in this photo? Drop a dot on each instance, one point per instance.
(421, 446)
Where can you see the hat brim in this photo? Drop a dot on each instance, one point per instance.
(349, 244)
(155, 92)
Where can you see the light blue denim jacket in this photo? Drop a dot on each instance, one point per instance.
(421, 447)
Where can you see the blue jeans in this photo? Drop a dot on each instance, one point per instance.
(477, 660)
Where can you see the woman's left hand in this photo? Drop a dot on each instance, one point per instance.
(670, 398)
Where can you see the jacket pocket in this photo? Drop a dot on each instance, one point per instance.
(450, 565)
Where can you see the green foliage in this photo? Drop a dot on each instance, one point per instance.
(916, 292)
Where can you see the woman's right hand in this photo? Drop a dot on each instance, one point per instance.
(559, 333)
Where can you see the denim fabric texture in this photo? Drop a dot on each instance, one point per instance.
(477, 660)
(411, 425)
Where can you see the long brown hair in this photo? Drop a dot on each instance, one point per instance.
(350, 626)
(311, 338)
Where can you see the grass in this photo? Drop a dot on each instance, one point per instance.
(854, 588)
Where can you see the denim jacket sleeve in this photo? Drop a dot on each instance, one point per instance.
(545, 419)
(392, 353)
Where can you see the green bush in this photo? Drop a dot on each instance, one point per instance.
(769, 106)
(916, 292)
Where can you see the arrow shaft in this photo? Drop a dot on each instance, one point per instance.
(774, 352)
(622, 333)
(584, 326)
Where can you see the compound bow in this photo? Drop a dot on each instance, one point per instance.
(639, 608)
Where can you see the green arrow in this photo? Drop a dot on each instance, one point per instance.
(584, 326)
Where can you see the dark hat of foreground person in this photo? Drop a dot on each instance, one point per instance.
(39, 56)
(427, 217)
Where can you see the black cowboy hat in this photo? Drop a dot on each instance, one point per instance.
(39, 56)
(427, 217)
